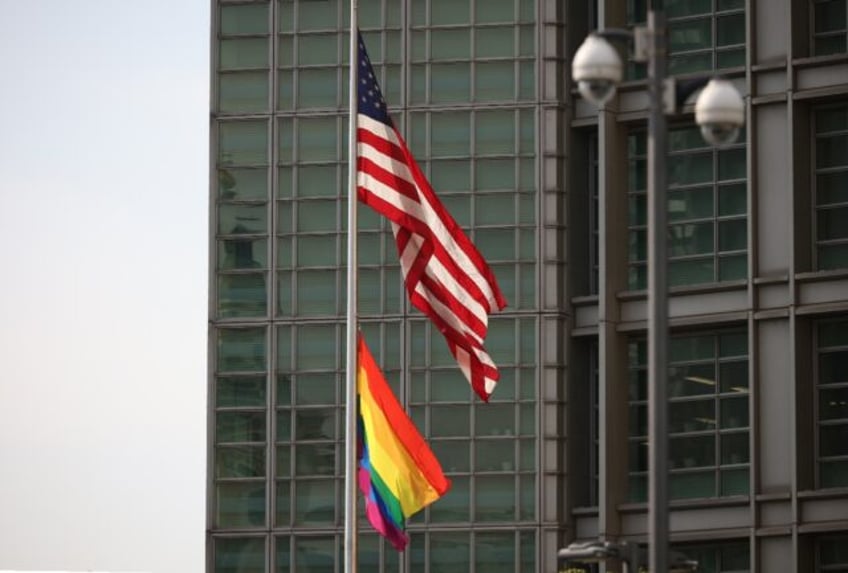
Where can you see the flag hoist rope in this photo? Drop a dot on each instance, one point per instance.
(350, 368)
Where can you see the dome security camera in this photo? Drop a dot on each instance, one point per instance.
(720, 112)
(597, 69)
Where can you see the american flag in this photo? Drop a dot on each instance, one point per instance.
(446, 277)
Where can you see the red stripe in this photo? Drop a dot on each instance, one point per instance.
(381, 144)
(388, 178)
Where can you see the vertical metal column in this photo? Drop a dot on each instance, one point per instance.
(352, 269)
(658, 521)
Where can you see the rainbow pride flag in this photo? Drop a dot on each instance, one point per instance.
(398, 473)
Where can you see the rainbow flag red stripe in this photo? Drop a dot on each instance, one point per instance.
(398, 473)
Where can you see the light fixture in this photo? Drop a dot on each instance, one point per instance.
(720, 112)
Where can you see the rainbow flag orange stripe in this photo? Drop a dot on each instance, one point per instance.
(398, 473)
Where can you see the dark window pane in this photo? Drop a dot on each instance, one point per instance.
(733, 200)
(315, 459)
(833, 367)
(312, 424)
(734, 376)
(734, 448)
(830, 16)
(692, 416)
(243, 254)
(690, 35)
(833, 223)
(242, 295)
(239, 462)
(234, 391)
(240, 504)
(240, 427)
(686, 204)
(832, 151)
(833, 403)
(833, 333)
(315, 554)
(832, 188)
(242, 183)
(692, 452)
(241, 349)
(449, 552)
(732, 235)
(243, 92)
(495, 498)
(827, 45)
(315, 502)
(833, 474)
(833, 440)
(833, 257)
(495, 552)
(691, 239)
(689, 485)
(698, 271)
(240, 555)
(243, 143)
(690, 168)
(730, 29)
(456, 505)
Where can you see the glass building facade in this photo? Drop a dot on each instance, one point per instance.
(552, 191)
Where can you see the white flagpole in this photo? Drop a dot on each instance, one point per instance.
(350, 369)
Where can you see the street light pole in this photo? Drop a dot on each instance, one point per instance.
(658, 522)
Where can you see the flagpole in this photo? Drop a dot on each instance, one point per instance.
(350, 368)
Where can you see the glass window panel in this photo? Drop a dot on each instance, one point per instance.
(494, 209)
(446, 12)
(690, 35)
(242, 142)
(731, 164)
(316, 347)
(496, 42)
(831, 188)
(449, 552)
(283, 519)
(735, 482)
(494, 132)
(690, 63)
(494, 11)
(284, 423)
(730, 29)
(527, 41)
(450, 44)
(730, 58)
(832, 151)
(315, 459)
(690, 239)
(242, 219)
(732, 268)
(495, 174)
(239, 555)
(734, 448)
(239, 427)
(242, 295)
(316, 250)
(684, 348)
(833, 474)
(450, 134)
(833, 367)
(453, 455)
(833, 333)
(494, 498)
(315, 554)
(241, 349)
(833, 440)
(495, 552)
(495, 420)
(689, 485)
(688, 416)
(418, 83)
(316, 388)
(734, 377)
(243, 92)
(451, 176)
(826, 45)
(317, 88)
(833, 257)
(692, 451)
(317, 49)
(496, 244)
(240, 504)
(242, 53)
(315, 502)
(732, 235)
(494, 455)
(449, 386)
(734, 412)
(317, 15)
(830, 16)
(690, 203)
(692, 380)
(240, 462)
(834, 551)
(677, 8)
(317, 181)
(242, 183)
(317, 138)
(732, 199)
(690, 168)
(526, 80)
(831, 119)
(527, 455)
(244, 19)
(455, 505)
(733, 344)
(450, 82)
(494, 81)
(833, 223)
(691, 272)
(317, 216)
(315, 424)
(449, 421)
(243, 254)
(240, 391)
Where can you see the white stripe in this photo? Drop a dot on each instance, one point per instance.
(440, 274)
(387, 162)
(429, 216)
(446, 313)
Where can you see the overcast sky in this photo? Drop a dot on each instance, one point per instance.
(103, 258)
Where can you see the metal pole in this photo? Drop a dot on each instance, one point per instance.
(657, 300)
(350, 368)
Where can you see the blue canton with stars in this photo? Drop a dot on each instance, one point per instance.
(371, 102)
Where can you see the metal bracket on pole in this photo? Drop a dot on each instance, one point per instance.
(641, 43)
